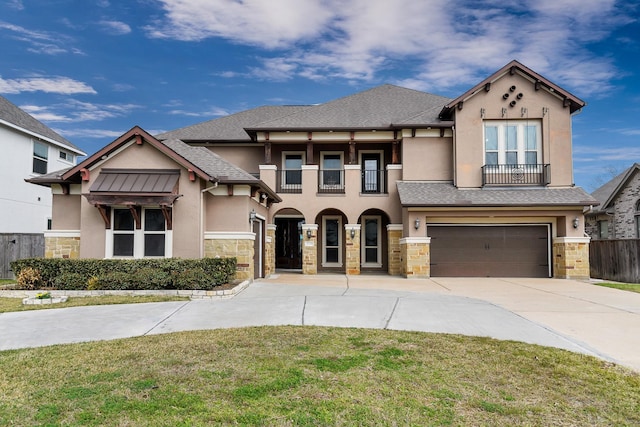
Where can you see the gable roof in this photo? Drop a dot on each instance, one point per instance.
(513, 67)
(204, 163)
(230, 128)
(19, 119)
(606, 193)
(428, 194)
(381, 107)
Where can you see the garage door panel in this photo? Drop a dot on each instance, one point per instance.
(485, 251)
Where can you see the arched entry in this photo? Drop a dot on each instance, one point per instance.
(288, 248)
(331, 240)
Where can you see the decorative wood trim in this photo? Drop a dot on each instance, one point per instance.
(441, 132)
(138, 139)
(84, 174)
(135, 213)
(487, 87)
(352, 153)
(166, 212)
(309, 152)
(460, 105)
(105, 213)
(192, 175)
(229, 190)
(267, 153)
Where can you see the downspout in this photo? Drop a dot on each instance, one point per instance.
(215, 185)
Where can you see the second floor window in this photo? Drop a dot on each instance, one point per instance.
(293, 168)
(40, 157)
(512, 142)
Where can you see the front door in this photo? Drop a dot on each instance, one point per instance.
(288, 247)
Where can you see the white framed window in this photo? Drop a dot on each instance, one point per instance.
(373, 173)
(332, 241)
(331, 169)
(66, 156)
(40, 157)
(512, 142)
(292, 162)
(125, 240)
(370, 246)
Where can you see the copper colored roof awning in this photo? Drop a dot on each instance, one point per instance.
(135, 187)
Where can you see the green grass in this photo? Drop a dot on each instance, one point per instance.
(633, 287)
(7, 282)
(15, 304)
(309, 376)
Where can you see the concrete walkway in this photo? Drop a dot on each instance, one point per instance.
(565, 314)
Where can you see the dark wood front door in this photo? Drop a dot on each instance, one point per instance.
(288, 247)
(489, 251)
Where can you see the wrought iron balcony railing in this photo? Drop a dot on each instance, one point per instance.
(331, 181)
(515, 174)
(289, 181)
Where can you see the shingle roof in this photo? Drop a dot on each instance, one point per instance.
(230, 128)
(376, 108)
(210, 162)
(429, 194)
(10, 113)
(605, 193)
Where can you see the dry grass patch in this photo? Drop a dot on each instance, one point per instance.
(312, 376)
(15, 304)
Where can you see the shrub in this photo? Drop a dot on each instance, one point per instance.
(29, 278)
(141, 273)
(70, 282)
(194, 278)
(115, 281)
(150, 278)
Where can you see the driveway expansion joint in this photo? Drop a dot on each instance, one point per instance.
(166, 318)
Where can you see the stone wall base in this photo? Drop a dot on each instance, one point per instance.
(61, 247)
(571, 258)
(416, 257)
(240, 248)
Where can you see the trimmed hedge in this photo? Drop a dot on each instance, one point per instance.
(119, 274)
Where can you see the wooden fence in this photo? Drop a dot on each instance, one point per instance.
(15, 246)
(617, 260)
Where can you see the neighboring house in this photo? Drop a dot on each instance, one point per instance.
(618, 215)
(389, 180)
(30, 149)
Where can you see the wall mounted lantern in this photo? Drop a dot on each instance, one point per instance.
(308, 233)
(576, 222)
(416, 224)
(353, 233)
(252, 215)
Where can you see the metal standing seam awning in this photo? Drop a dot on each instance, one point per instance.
(134, 188)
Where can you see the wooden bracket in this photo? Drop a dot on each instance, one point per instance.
(135, 213)
(105, 213)
(192, 175)
(84, 174)
(166, 212)
(138, 139)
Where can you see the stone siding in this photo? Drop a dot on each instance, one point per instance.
(270, 251)
(353, 250)
(416, 257)
(394, 253)
(310, 249)
(62, 247)
(241, 249)
(571, 258)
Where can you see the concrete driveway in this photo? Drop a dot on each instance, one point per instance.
(566, 314)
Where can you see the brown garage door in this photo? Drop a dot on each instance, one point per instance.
(489, 251)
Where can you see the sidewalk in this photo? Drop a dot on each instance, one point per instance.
(560, 313)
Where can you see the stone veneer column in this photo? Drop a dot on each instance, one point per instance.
(416, 259)
(571, 257)
(62, 244)
(228, 244)
(394, 256)
(270, 251)
(352, 248)
(310, 249)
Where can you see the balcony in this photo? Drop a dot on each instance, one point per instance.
(350, 181)
(524, 174)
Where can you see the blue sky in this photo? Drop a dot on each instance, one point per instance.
(92, 69)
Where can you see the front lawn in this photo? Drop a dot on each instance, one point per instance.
(633, 287)
(15, 304)
(312, 376)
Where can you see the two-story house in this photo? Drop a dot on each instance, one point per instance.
(389, 180)
(618, 214)
(30, 149)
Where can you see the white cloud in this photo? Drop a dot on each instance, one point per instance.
(40, 41)
(446, 43)
(74, 111)
(63, 85)
(115, 28)
(213, 112)
(90, 133)
(15, 4)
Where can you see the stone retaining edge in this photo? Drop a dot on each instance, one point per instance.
(193, 294)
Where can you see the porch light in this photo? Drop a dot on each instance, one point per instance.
(308, 233)
(252, 215)
(416, 224)
(353, 233)
(576, 222)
